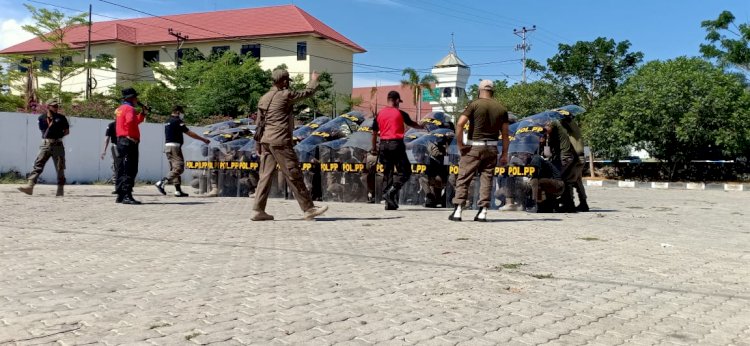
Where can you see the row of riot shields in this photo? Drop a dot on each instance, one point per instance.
(337, 164)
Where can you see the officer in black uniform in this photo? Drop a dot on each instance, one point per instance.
(110, 136)
(173, 130)
(54, 126)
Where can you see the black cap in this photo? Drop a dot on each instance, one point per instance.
(128, 93)
(394, 95)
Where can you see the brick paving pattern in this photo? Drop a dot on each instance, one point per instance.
(645, 267)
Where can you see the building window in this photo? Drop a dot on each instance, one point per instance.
(219, 50)
(150, 56)
(302, 50)
(253, 49)
(447, 92)
(22, 65)
(46, 64)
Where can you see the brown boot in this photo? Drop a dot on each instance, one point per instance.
(28, 189)
(311, 213)
(60, 191)
(262, 216)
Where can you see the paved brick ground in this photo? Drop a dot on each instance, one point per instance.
(647, 267)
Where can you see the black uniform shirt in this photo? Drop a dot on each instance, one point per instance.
(53, 128)
(112, 132)
(174, 129)
(544, 169)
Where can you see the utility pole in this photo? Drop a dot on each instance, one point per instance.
(88, 59)
(524, 47)
(180, 40)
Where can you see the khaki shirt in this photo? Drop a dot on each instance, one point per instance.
(276, 107)
(576, 139)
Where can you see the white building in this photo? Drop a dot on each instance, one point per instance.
(452, 75)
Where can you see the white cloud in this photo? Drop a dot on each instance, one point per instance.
(360, 82)
(11, 32)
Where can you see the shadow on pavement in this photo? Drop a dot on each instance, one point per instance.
(176, 203)
(521, 220)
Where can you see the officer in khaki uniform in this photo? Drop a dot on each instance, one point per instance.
(487, 119)
(276, 125)
(576, 140)
(54, 126)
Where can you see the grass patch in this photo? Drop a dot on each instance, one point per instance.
(12, 177)
(541, 276)
(509, 266)
(589, 239)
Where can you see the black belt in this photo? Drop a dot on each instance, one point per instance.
(392, 140)
(130, 139)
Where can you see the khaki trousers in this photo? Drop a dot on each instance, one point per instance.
(176, 164)
(49, 149)
(545, 188)
(286, 158)
(480, 159)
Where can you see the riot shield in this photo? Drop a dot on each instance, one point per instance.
(305, 130)
(363, 177)
(437, 120)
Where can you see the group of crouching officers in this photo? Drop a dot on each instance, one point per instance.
(557, 162)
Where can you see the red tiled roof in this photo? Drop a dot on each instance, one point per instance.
(206, 26)
(379, 99)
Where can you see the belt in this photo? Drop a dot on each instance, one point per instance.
(172, 144)
(52, 140)
(130, 139)
(481, 143)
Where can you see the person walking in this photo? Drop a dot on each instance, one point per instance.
(128, 138)
(390, 124)
(110, 136)
(54, 126)
(276, 146)
(487, 119)
(173, 135)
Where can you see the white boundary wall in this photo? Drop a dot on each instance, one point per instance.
(20, 139)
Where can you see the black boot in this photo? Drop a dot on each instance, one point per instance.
(567, 205)
(481, 215)
(120, 197)
(160, 186)
(178, 191)
(128, 199)
(583, 207)
(389, 197)
(456, 214)
(546, 206)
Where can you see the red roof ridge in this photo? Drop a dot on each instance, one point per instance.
(266, 23)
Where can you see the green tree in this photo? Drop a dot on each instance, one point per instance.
(228, 85)
(416, 84)
(532, 98)
(592, 70)
(322, 103)
(350, 102)
(23, 77)
(677, 110)
(52, 27)
(728, 42)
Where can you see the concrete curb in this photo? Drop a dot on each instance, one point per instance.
(629, 184)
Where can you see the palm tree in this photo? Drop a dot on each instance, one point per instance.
(417, 84)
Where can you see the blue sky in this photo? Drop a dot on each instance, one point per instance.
(417, 33)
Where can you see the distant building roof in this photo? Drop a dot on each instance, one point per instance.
(451, 60)
(371, 101)
(263, 22)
